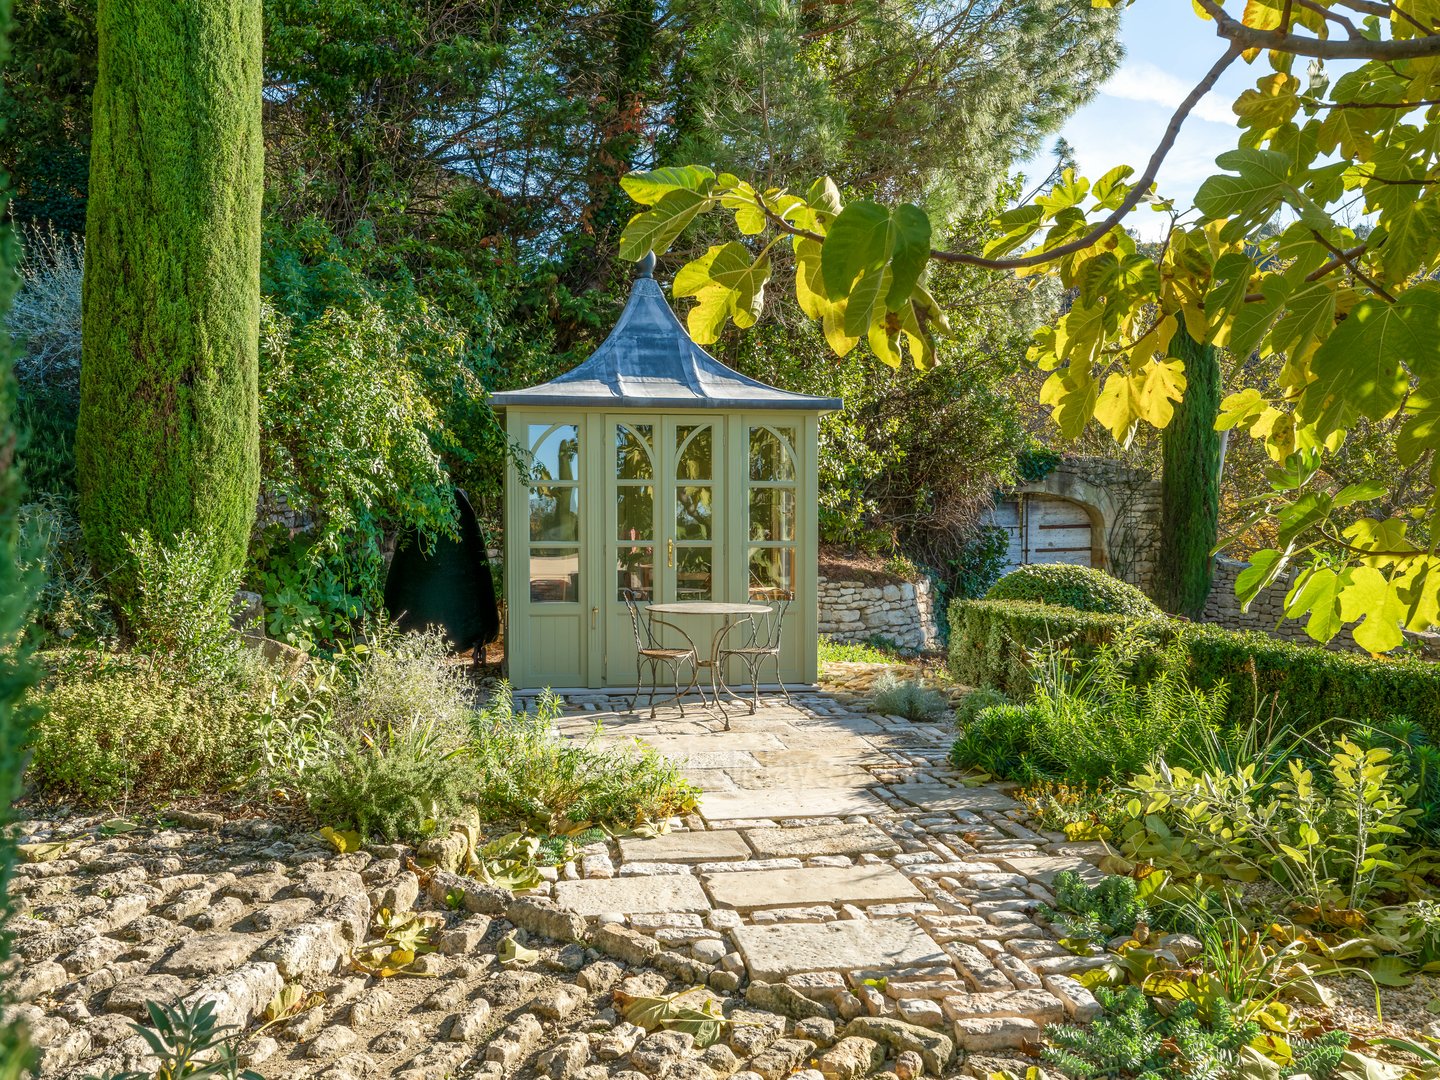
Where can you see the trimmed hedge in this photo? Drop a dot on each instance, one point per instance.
(1080, 587)
(989, 641)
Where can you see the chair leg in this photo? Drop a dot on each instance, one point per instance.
(781, 681)
(654, 680)
(754, 666)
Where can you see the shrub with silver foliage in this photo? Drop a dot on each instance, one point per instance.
(45, 317)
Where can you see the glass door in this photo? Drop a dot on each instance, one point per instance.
(549, 611)
(660, 526)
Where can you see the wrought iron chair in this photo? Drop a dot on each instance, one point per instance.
(649, 649)
(759, 642)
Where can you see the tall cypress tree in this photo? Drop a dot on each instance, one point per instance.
(168, 437)
(1190, 483)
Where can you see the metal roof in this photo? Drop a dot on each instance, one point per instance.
(649, 362)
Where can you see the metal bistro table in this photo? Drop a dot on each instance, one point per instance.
(728, 613)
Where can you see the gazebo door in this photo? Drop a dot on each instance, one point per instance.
(663, 473)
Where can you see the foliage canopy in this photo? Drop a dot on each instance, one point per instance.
(1265, 264)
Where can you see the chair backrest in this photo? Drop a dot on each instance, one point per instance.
(766, 629)
(643, 637)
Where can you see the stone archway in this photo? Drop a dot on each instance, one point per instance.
(1120, 504)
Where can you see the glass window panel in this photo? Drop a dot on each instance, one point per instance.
(772, 573)
(635, 513)
(554, 575)
(557, 455)
(554, 513)
(632, 452)
(692, 513)
(694, 461)
(635, 570)
(772, 458)
(692, 573)
(772, 514)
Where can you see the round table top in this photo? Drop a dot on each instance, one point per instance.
(707, 607)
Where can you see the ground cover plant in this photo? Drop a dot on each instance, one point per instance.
(871, 651)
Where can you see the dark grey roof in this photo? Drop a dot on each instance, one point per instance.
(649, 362)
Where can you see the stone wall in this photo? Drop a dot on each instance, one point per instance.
(903, 611)
(1222, 608)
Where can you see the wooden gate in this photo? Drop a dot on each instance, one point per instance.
(1045, 529)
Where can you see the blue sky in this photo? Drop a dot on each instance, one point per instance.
(1167, 51)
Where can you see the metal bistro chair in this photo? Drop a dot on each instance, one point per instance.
(650, 650)
(760, 641)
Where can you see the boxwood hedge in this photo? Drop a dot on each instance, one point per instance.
(990, 641)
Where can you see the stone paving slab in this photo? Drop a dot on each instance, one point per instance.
(697, 845)
(1043, 868)
(781, 803)
(799, 777)
(751, 889)
(773, 952)
(811, 840)
(632, 895)
(931, 796)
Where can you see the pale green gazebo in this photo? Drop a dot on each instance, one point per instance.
(654, 468)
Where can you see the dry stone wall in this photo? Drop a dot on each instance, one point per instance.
(903, 611)
(1222, 608)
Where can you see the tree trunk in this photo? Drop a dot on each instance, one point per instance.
(1190, 484)
(168, 436)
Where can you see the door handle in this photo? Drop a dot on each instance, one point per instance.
(670, 553)
(593, 612)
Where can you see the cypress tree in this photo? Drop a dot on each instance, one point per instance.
(168, 437)
(1190, 483)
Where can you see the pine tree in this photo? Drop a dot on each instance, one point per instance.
(168, 437)
(1190, 484)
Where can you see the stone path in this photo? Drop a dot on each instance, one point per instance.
(835, 852)
(840, 896)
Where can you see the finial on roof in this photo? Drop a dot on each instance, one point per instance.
(647, 265)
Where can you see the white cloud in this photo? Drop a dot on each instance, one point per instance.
(1140, 80)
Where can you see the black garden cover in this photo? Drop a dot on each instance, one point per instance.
(449, 588)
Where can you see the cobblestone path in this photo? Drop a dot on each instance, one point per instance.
(836, 853)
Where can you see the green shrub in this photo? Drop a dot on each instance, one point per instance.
(179, 608)
(107, 733)
(1000, 741)
(73, 605)
(976, 702)
(909, 698)
(529, 773)
(374, 739)
(1090, 720)
(992, 644)
(1096, 912)
(396, 781)
(1080, 587)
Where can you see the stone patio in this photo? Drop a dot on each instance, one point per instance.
(833, 846)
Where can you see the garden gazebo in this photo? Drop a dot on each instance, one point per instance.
(656, 469)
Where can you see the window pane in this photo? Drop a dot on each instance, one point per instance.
(554, 575)
(694, 460)
(772, 514)
(554, 513)
(632, 452)
(635, 570)
(635, 513)
(557, 454)
(770, 457)
(692, 573)
(692, 513)
(772, 573)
